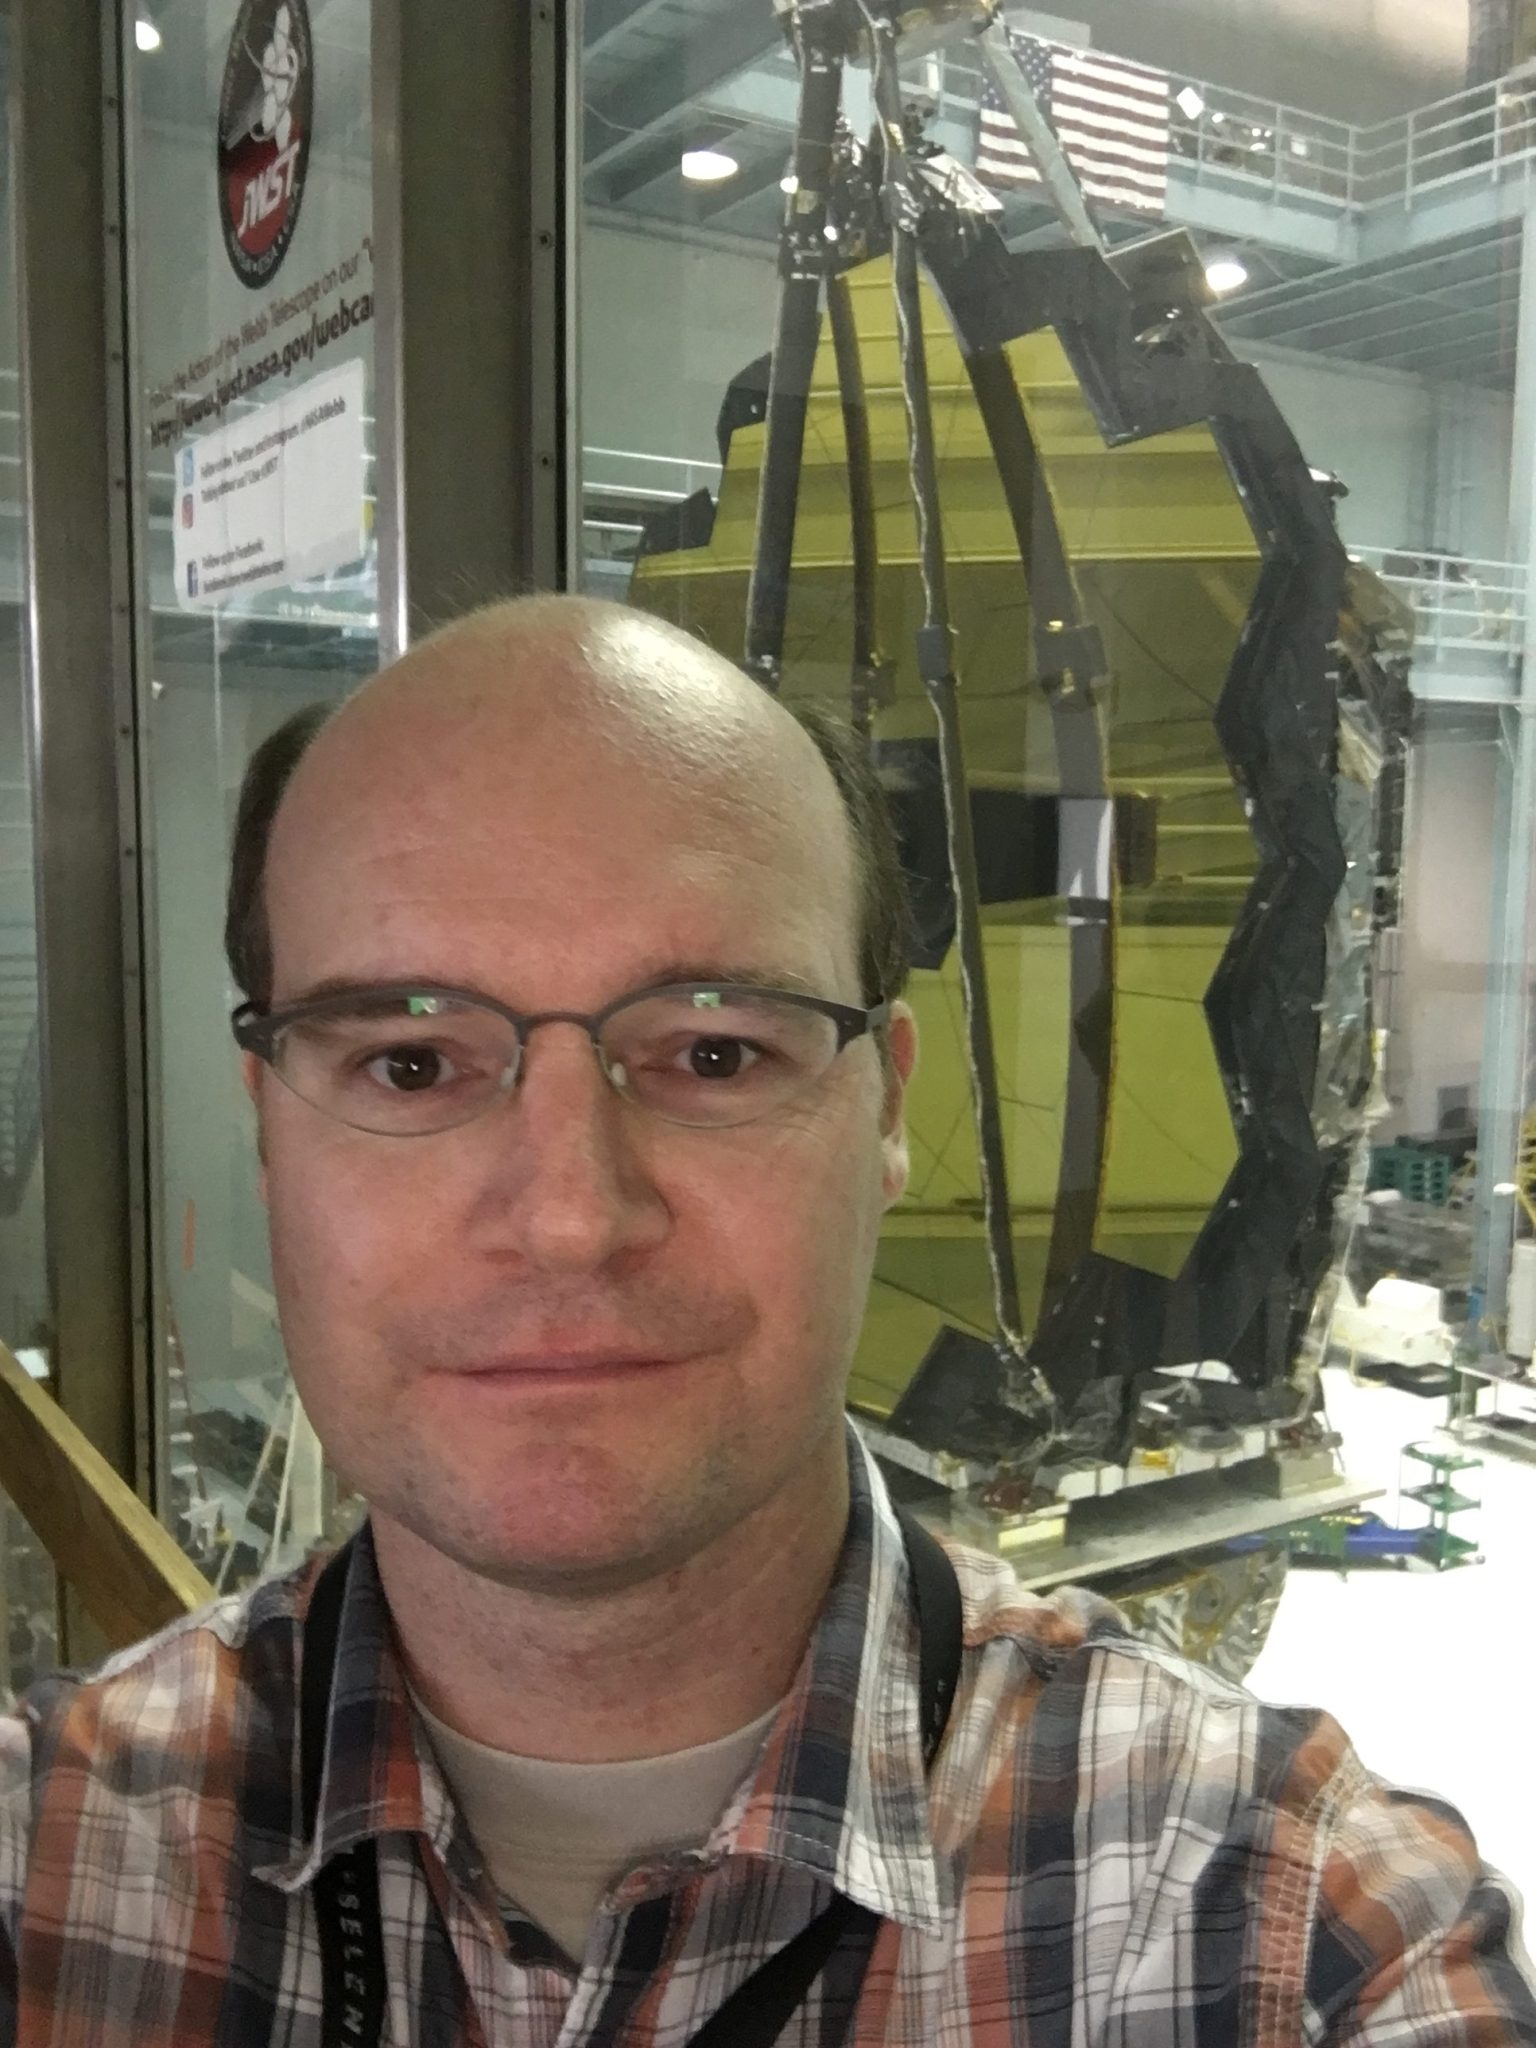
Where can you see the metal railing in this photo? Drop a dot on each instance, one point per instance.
(1487, 132)
(1217, 135)
(620, 488)
(1463, 607)
(1220, 137)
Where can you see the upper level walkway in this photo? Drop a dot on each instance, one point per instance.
(1394, 243)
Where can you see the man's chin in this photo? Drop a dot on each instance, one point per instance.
(555, 1536)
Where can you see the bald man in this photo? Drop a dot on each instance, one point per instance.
(635, 1714)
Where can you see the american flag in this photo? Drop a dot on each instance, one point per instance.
(1112, 117)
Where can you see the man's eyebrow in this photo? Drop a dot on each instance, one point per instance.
(714, 972)
(337, 986)
(727, 973)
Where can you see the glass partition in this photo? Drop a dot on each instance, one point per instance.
(1188, 1082)
(255, 309)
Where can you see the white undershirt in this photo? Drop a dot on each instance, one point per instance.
(555, 1836)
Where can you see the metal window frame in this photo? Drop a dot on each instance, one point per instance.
(135, 692)
(475, 479)
(80, 667)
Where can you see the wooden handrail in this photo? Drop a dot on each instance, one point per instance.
(130, 1575)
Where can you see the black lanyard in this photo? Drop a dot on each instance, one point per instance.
(346, 1888)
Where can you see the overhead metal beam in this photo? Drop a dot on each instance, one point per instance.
(768, 98)
(1501, 243)
(622, 117)
(610, 21)
(1367, 323)
(1444, 214)
(1459, 362)
(1285, 298)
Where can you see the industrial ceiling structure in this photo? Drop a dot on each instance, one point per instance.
(1296, 195)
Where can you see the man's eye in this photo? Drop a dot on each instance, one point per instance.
(719, 1059)
(410, 1069)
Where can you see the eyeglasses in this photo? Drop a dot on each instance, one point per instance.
(409, 1061)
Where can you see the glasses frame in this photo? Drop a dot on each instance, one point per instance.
(257, 1030)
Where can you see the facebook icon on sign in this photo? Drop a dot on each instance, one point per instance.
(188, 465)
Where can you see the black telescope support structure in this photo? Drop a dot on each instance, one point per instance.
(868, 672)
(803, 266)
(936, 667)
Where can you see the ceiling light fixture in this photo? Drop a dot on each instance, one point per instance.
(789, 183)
(1190, 103)
(1226, 274)
(708, 166)
(145, 34)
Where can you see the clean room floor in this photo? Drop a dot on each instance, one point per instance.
(1433, 1675)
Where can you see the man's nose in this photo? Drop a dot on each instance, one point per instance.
(568, 1184)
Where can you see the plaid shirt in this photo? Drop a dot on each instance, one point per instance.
(1114, 1848)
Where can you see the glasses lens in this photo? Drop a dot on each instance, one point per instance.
(713, 1056)
(403, 1066)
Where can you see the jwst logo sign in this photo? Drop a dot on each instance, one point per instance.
(266, 113)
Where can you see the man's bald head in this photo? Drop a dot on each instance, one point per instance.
(543, 686)
(582, 671)
(561, 684)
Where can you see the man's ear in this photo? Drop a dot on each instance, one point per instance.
(250, 1074)
(900, 1058)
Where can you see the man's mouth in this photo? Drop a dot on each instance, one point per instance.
(525, 1368)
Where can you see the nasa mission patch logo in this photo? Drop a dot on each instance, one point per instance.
(266, 114)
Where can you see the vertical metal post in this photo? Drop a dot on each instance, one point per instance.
(72, 326)
(1502, 1083)
(1502, 1088)
(1491, 30)
(1522, 478)
(569, 204)
(472, 114)
(132, 664)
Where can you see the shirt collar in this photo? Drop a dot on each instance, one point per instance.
(371, 1783)
(839, 1792)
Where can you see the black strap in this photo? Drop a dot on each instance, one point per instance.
(940, 1630)
(347, 1887)
(757, 2012)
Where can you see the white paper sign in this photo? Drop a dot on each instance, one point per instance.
(274, 498)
